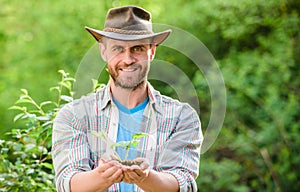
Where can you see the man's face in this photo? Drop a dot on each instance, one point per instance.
(128, 61)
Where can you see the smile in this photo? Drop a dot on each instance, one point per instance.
(128, 69)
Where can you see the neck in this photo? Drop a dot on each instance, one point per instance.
(129, 97)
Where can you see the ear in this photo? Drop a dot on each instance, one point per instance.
(102, 51)
(152, 53)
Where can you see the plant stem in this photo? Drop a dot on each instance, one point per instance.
(266, 157)
(127, 152)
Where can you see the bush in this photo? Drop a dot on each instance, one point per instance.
(25, 159)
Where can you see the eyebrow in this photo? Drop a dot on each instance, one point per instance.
(137, 45)
(119, 46)
(140, 45)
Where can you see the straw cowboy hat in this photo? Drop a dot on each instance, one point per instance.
(129, 23)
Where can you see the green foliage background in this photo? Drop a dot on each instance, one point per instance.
(256, 44)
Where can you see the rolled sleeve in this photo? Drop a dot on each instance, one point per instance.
(70, 150)
(184, 179)
(181, 153)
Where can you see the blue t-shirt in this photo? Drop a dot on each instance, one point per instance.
(129, 124)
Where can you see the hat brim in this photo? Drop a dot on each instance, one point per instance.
(157, 38)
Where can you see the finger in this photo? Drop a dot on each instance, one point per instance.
(103, 166)
(110, 172)
(114, 177)
(126, 168)
(145, 165)
(135, 167)
(115, 163)
(127, 178)
(132, 175)
(139, 173)
(119, 177)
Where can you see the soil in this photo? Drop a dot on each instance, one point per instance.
(131, 162)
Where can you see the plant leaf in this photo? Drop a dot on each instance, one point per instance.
(43, 118)
(139, 135)
(25, 92)
(23, 101)
(17, 108)
(18, 116)
(66, 84)
(134, 143)
(47, 165)
(63, 73)
(54, 88)
(69, 79)
(123, 144)
(46, 103)
(66, 98)
(47, 124)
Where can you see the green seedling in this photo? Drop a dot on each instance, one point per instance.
(124, 144)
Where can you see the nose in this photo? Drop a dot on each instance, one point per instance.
(128, 57)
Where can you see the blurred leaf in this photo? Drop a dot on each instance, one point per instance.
(23, 101)
(66, 98)
(46, 103)
(17, 108)
(48, 165)
(17, 117)
(43, 118)
(24, 91)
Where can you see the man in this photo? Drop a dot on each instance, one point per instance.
(128, 104)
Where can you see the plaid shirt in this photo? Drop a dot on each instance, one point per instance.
(173, 144)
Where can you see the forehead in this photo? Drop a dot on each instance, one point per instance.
(112, 42)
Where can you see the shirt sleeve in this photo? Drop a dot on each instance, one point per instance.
(70, 150)
(181, 153)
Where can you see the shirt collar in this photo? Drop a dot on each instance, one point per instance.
(154, 98)
(106, 97)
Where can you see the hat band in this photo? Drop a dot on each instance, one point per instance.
(131, 32)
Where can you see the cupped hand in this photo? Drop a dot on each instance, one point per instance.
(109, 172)
(136, 173)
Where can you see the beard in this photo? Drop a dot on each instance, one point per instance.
(131, 82)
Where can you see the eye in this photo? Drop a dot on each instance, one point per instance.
(117, 49)
(138, 48)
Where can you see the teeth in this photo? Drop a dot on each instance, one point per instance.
(128, 70)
